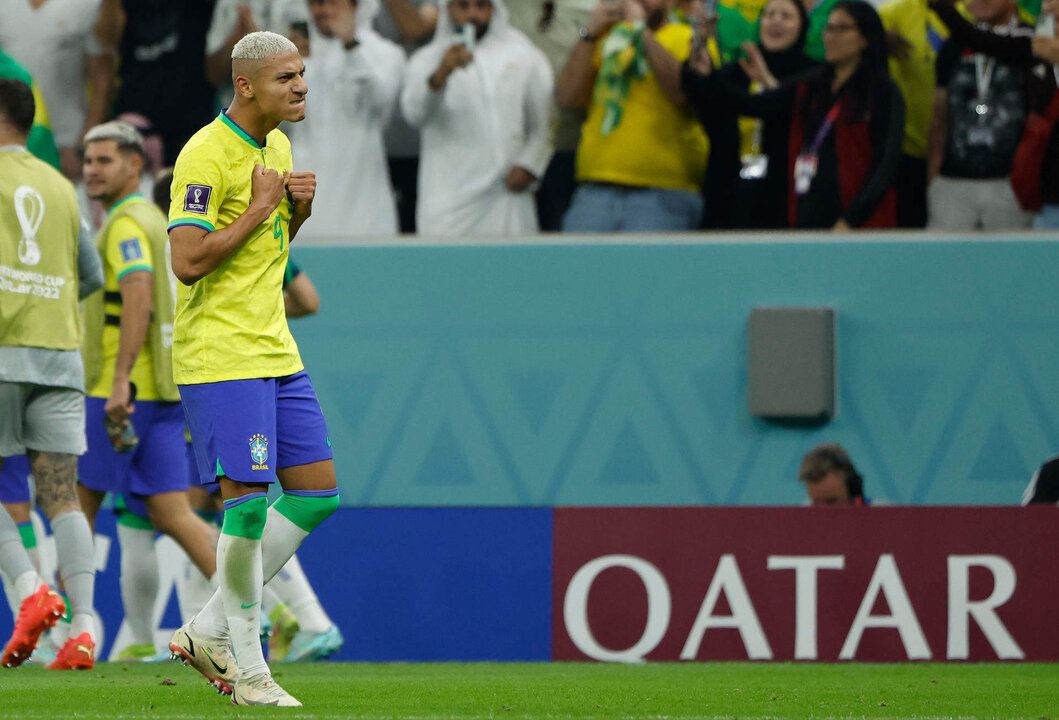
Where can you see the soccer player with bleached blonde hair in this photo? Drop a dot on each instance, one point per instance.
(237, 203)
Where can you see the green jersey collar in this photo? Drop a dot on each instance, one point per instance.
(127, 198)
(238, 130)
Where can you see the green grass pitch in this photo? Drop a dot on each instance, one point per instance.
(551, 691)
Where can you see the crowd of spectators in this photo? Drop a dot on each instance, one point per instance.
(463, 117)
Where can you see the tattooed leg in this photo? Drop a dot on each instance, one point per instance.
(56, 478)
(56, 475)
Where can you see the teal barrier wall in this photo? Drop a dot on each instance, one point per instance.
(615, 374)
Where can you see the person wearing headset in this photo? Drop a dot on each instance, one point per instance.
(830, 477)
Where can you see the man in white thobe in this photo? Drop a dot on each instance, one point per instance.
(67, 46)
(481, 94)
(354, 76)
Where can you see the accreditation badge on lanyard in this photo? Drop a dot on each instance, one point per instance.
(983, 134)
(808, 161)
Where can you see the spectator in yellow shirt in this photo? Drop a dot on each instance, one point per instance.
(642, 155)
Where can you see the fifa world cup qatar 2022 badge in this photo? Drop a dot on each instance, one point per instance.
(197, 199)
(259, 452)
(29, 210)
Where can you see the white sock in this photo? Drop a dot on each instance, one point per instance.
(139, 581)
(15, 597)
(12, 596)
(193, 589)
(76, 561)
(60, 633)
(269, 599)
(279, 540)
(83, 623)
(26, 584)
(239, 565)
(211, 620)
(293, 588)
(14, 561)
(45, 562)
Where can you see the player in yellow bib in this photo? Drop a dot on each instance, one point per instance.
(128, 333)
(45, 268)
(253, 414)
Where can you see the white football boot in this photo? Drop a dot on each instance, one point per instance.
(210, 656)
(261, 689)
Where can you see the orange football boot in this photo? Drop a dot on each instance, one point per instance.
(78, 653)
(37, 613)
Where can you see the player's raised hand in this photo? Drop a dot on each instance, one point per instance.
(301, 186)
(267, 188)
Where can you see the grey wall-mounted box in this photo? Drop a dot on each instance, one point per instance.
(792, 362)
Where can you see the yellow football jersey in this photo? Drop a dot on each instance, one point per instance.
(913, 71)
(231, 325)
(126, 249)
(657, 144)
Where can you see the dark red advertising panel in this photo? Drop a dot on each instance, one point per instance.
(828, 584)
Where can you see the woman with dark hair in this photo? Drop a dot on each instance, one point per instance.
(746, 182)
(846, 123)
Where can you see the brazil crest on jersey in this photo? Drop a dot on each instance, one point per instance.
(231, 324)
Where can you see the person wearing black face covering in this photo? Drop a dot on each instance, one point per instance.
(746, 182)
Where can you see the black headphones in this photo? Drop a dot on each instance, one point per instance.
(854, 481)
